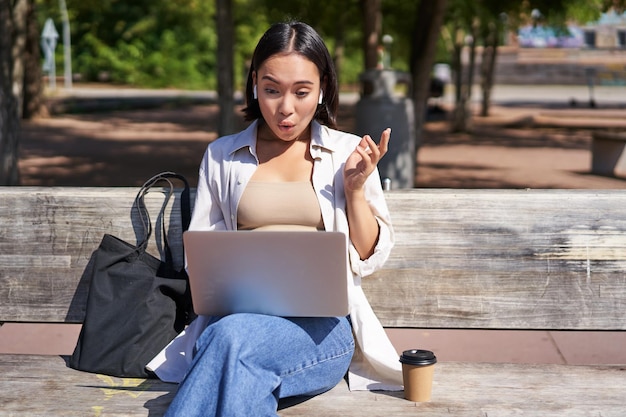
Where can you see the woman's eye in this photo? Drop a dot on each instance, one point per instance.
(271, 91)
(302, 94)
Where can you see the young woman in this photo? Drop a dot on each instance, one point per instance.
(288, 170)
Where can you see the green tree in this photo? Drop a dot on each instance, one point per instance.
(481, 23)
(32, 81)
(144, 43)
(429, 17)
(20, 80)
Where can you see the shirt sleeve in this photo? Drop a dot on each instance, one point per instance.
(207, 212)
(376, 199)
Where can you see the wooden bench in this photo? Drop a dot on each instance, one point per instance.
(608, 153)
(464, 259)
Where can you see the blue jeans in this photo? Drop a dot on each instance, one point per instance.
(244, 363)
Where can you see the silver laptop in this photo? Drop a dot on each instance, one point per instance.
(282, 273)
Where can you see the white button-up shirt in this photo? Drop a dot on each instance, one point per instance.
(226, 168)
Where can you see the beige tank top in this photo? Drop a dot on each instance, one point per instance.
(279, 205)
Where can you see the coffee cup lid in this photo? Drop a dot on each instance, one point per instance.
(418, 357)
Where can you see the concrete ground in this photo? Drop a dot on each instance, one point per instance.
(534, 138)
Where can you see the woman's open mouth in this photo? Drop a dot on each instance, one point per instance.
(286, 127)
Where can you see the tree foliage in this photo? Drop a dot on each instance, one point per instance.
(480, 23)
(143, 42)
(173, 43)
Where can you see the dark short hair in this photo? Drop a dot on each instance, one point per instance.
(300, 38)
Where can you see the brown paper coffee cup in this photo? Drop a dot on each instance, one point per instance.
(418, 368)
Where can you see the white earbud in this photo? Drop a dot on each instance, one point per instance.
(321, 99)
(254, 93)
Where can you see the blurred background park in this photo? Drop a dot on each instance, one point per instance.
(479, 93)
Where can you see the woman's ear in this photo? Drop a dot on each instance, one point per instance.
(255, 94)
(322, 87)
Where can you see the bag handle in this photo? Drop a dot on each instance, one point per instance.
(185, 199)
(144, 215)
(185, 208)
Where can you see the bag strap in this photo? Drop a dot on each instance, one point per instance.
(144, 215)
(185, 209)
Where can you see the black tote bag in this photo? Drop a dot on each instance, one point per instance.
(136, 303)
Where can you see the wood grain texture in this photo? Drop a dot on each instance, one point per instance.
(506, 259)
(459, 389)
(527, 259)
(47, 236)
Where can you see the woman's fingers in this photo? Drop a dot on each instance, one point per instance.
(384, 141)
(374, 151)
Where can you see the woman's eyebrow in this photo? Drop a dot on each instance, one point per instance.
(274, 80)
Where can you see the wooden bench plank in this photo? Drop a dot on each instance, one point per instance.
(459, 389)
(515, 259)
(53, 389)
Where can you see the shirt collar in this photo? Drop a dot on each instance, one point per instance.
(320, 139)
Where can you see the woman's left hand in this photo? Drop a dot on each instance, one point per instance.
(362, 162)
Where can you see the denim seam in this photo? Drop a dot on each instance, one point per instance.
(305, 367)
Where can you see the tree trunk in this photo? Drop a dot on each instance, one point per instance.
(487, 68)
(372, 27)
(428, 21)
(339, 51)
(457, 64)
(225, 62)
(461, 113)
(9, 121)
(33, 85)
(19, 13)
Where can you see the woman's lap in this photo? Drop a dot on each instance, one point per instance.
(257, 359)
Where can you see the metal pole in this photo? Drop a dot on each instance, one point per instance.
(49, 38)
(67, 45)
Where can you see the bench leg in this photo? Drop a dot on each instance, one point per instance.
(608, 157)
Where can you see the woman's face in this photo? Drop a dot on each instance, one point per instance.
(288, 90)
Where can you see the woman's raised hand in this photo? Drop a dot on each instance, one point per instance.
(362, 162)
